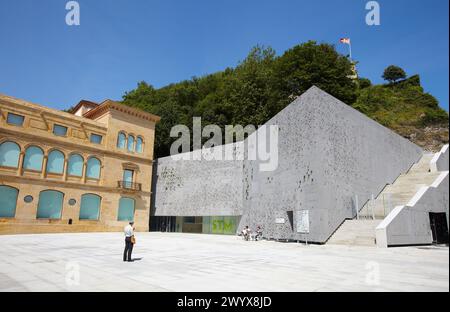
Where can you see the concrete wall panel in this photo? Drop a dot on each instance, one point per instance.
(198, 188)
(410, 224)
(440, 161)
(328, 153)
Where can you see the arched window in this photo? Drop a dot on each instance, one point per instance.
(75, 166)
(50, 205)
(126, 209)
(121, 140)
(33, 158)
(139, 144)
(93, 168)
(55, 163)
(8, 201)
(90, 207)
(9, 154)
(130, 143)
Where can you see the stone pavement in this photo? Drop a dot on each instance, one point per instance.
(193, 262)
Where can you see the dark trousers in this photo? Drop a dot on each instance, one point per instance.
(128, 249)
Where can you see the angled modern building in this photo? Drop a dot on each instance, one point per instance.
(332, 161)
(87, 170)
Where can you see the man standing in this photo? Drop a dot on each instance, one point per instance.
(129, 234)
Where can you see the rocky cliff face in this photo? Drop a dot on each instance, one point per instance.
(430, 138)
(408, 110)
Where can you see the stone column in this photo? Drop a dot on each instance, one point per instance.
(101, 174)
(44, 167)
(65, 169)
(83, 178)
(20, 168)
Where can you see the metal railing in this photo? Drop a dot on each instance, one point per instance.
(375, 208)
(129, 185)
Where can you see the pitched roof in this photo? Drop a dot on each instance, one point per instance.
(83, 103)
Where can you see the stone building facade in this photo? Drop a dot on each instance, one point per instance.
(85, 170)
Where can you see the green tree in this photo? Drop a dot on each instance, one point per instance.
(247, 95)
(263, 84)
(364, 83)
(311, 64)
(393, 73)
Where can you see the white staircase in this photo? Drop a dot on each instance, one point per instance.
(402, 190)
(355, 232)
(362, 231)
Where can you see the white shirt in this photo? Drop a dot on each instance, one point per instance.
(128, 231)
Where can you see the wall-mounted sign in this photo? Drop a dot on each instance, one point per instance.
(280, 221)
(302, 221)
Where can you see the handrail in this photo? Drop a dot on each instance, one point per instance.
(129, 185)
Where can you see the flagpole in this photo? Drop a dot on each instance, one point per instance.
(353, 65)
(350, 48)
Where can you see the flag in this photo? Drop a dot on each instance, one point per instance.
(345, 40)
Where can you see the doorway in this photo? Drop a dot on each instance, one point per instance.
(439, 227)
(128, 177)
(162, 224)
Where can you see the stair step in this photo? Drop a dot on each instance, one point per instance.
(355, 232)
(362, 232)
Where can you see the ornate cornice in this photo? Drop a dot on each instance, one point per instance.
(40, 110)
(130, 165)
(111, 105)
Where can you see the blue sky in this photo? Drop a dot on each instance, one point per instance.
(121, 42)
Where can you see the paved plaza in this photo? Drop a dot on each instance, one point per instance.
(193, 262)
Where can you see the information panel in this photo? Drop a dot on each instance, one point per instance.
(302, 220)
